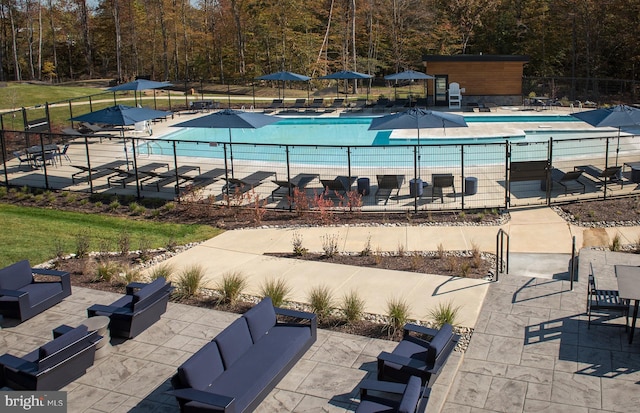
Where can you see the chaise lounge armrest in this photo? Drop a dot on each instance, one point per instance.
(131, 287)
(55, 273)
(91, 311)
(298, 314)
(225, 403)
(405, 361)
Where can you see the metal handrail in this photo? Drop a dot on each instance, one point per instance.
(502, 265)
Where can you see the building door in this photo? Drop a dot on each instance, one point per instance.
(441, 87)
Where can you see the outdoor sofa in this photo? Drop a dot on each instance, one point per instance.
(137, 310)
(241, 365)
(414, 356)
(22, 296)
(54, 364)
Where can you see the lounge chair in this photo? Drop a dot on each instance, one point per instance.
(358, 105)
(276, 104)
(299, 181)
(123, 177)
(175, 176)
(422, 102)
(338, 184)
(297, 106)
(414, 356)
(409, 398)
(441, 181)
(386, 185)
(247, 183)
(96, 172)
(611, 173)
(22, 296)
(338, 103)
(316, 106)
(54, 364)
(137, 310)
(207, 178)
(381, 105)
(566, 179)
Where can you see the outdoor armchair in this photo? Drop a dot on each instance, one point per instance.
(414, 356)
(137, 310)
(414, 397)
(54, 364)
(22, 296)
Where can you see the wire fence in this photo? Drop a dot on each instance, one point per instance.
(374, 178)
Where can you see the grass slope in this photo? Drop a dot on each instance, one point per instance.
(36, 233)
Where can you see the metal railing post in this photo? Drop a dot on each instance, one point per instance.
(500, 267)
(572, 269)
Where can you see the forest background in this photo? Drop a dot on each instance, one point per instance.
(235, 40)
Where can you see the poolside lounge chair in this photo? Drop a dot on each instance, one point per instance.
(611, 173)
(316, 106)
(407, 398)
(381, 105)
(96, 172)
(338, 103)
(207, 178)
(299, 181)
(54, 364)
(247, 183)
(338, 184)
(414, 356)
(123, 177)
(422, 102)
(297, 106)
(358, 105)
(441, 181)
(566, 179)
(386, 185)
(175, 176)
(276, 104)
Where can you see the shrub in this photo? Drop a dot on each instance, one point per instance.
(83, 243)
(107, 270)
(145, 250)
(231, 286)
(163, 270)
(476, 256)
(169, 206)
(296, 241)
(401, 250)
(330, 245)
(440, 253)
(189, 281)
(124, 243)
(130, 274)
(444, 313)
(366, 251)
(136, 209)
(397, 315)
(277, 289)
(321, 301)
(465, 269)
(416, 261)
(616, 243)
(352, 307)
(114, 205)
(58, 248)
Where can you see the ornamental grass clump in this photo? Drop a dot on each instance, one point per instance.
(397, 316)
(444, 313)
(163, 270)
(320, 300)
(352, 307)
(230, 287)
(189, 281)
(277, 289)
(106, 271)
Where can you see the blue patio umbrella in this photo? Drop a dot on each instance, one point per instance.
(409, 75)
(283, 77)
(417, 118)
(230, 119)
(617, 117)
(121, 115)
(138, 85)
(346, 75)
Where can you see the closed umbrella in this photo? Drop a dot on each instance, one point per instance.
(283, 77)
(138, 85)
(346, 75)
(617, 117)
(230, 119)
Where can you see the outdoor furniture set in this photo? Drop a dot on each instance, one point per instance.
(73, 349)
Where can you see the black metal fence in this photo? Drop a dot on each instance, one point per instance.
(427, 177)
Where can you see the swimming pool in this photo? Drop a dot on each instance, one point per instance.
(331, 140)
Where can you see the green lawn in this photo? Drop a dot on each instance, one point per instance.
(36, 233)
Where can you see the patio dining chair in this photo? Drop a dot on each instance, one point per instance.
(609, 300)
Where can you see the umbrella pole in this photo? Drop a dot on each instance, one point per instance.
(231, 152)
(618, 147)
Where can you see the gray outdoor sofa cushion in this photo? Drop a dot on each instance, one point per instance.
(255, 351)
